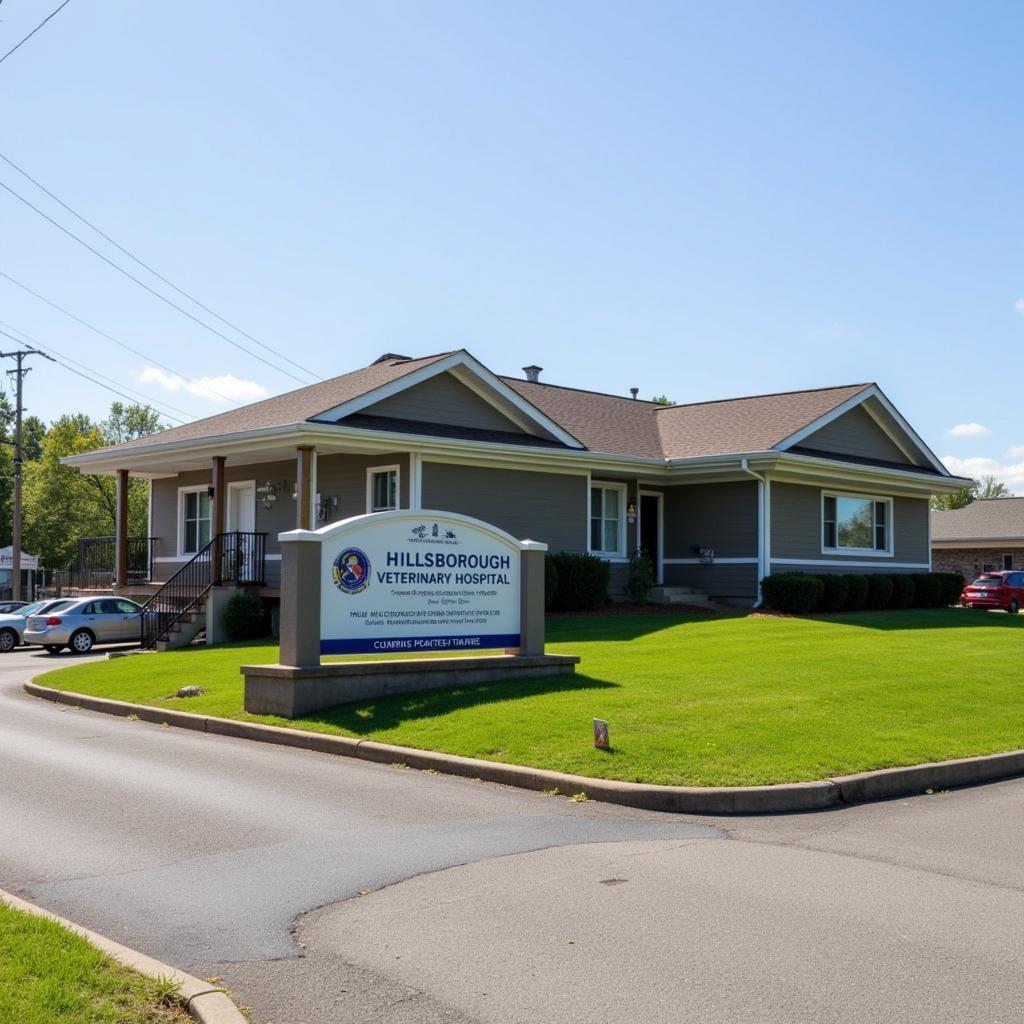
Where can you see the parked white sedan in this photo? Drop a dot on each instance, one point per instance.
(85, 622)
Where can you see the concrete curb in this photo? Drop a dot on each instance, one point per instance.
(787, 798)
(205, 1002)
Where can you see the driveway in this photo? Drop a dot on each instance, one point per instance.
(488, 904)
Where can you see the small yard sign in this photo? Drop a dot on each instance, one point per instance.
(601, 734)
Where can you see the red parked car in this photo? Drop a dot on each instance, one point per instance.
(995, 590)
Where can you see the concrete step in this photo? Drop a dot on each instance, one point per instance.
(679, 595)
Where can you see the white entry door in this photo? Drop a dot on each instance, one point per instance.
(241, 518)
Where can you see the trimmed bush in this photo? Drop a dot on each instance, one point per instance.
(857, 595)
(902, 591)
(879, 591)
(582, 583)
(836, 589)
(927, 590)
(245, 617)
(794, 592)
(951, 586)
(641, 577)
(550, 581)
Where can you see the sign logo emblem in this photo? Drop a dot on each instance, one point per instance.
(351, 571)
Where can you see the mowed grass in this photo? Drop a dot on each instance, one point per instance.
(50, 976)
(691, 700)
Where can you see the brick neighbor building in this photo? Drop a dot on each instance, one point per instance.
(985, 536)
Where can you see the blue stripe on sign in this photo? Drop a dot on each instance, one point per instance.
(418, 644)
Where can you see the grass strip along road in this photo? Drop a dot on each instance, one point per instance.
(47, 974)
(694, 700)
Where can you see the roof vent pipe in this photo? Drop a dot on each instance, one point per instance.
(634, 392)
(533, 373)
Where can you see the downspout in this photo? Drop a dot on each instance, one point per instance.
(762, 567)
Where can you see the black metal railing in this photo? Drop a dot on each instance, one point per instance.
(230, 558)
(94, 564)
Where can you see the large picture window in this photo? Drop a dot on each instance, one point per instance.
(381, 488)
(195, 520)
(856, 523)
(607, 510)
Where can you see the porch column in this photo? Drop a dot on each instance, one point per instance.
(217, 509)
(121, 530)
(304, 484)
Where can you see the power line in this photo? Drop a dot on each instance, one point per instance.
(17, 46)
(152, 291)
(82, 373)
(116, 341)
(84, 368)
(170, 284)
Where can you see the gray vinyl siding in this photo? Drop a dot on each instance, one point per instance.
(719, 516)
(729, 582)
(855, 433)
(796, 528)
(443, 399)
(548, 507)
(344, 477)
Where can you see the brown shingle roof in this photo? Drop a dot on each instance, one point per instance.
(604, 423)
(984, 519)
(293, 406)
(736, 425)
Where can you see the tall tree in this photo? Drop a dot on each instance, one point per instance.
(986, 487)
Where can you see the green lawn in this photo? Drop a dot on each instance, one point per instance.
(50, 976)
(691, 700)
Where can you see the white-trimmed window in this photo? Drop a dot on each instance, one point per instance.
(193, 519)
(382, 488)
(608, 519)
(859, 524)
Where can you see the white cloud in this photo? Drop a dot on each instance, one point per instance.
(1015, 451)
(977, 466)
(1019, 306)
(969, 430)
(225, 388)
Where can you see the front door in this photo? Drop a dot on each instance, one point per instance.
(241, 518)
(650, 530)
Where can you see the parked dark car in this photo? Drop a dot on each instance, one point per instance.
(995, 590)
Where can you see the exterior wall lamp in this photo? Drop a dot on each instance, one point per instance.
(631, 512)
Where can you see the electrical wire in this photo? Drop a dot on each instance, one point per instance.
(116, 341)
(170, 284)
(82, 373)
(18, 46)
(89, 369)
(152, 291)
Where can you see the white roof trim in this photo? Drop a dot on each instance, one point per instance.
(871, 391)
(487, 386)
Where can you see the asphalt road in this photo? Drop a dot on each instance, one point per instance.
(488, 904)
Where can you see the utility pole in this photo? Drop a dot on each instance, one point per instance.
(19, 375)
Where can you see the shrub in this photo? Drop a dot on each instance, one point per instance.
(793, 592)
(641, 577)
(245, 617)
(927, 590)
(833, 598)
(550, 582)
(880, 590)
(950, 586)
(582, 583)
(902, 591)
(857, 595)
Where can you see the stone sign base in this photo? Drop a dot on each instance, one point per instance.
(290, 692)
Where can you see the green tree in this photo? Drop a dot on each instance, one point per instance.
(986, 487)
(662, 400)
(61, 504)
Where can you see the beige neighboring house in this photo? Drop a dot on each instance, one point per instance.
(985, 536)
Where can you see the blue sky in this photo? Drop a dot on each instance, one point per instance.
(704, 200)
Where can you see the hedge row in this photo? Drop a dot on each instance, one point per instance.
(575, 583)
(800, 593)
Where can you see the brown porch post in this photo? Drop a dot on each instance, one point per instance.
(217, 510)
(121, 530)
(304, 486)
